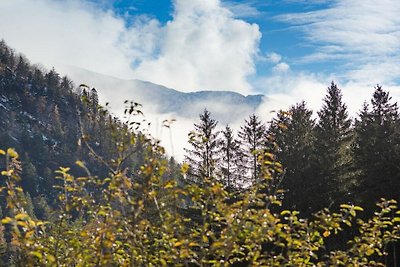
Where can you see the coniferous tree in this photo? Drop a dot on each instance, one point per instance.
(332, 144)
(252, 136)
(376, 149)
(293, 133)
(94, 100)
(52, 82)
(231, 163)
(202, 157)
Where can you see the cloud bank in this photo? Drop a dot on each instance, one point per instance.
(203, 46)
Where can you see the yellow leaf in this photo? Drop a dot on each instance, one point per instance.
(185, 168)
(345, 206)
(36, 254)
(2, 152)
(170, 184)
(178, 244)
(80, 164)
(23, 224)
(326, 233)
(22, 217)
(7, 220)
(12, 153)
(29, 234)
(64, 170)
(51, 258)
(217, 245)
(7, 173)
(285, 212)
(370, 251)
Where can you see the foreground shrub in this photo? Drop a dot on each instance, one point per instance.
(116, 221)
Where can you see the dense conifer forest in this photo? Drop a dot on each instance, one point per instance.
(80, 187)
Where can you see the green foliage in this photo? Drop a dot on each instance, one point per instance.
(117, 221)
(252, 136)
(124, 204)
(293, 133)
(202, 157)
(232, 160)
(376, 148)
(332, 144)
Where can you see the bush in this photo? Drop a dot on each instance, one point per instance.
(119, 221)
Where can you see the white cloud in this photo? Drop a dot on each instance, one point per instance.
(364, 33)
(67, 32)
(242, 10)
(203, 47)
(281, 67)
(273, 57)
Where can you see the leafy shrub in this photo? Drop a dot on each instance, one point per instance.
(117, 221)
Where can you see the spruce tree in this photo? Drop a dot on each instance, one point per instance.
(94, 100)
(332, 144)
(202, 157)
(376, 149)
(231, 160)
(293, 134)
(252, 136)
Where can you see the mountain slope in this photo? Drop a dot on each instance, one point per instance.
(224, 105)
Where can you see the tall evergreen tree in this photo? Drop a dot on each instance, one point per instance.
(332, 144)
(231, 159)
(202, 157)
(293, 133)
(252, 136)
(94, 100)
(377, 149)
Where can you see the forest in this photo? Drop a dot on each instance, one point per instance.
(80, 187)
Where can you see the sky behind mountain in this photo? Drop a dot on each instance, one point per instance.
(288, 49)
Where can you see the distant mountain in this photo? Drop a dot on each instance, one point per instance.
(224, 105)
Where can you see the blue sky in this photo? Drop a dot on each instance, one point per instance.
(278, 37)
(289, 29)
(289, 50)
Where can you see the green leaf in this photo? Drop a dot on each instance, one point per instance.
(285, 212)
(36, 254)
(358, 208)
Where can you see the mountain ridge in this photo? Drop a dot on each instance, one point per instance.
(225, 105)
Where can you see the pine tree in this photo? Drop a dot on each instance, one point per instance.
(52, 81)
(202, 157)
(30, 177)
(94, 100)
(231, 163)
(332, 144)
(376, 149)
(293, 133)
(42, 209)
(252, 137)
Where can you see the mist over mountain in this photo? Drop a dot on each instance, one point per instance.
(226, 106)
